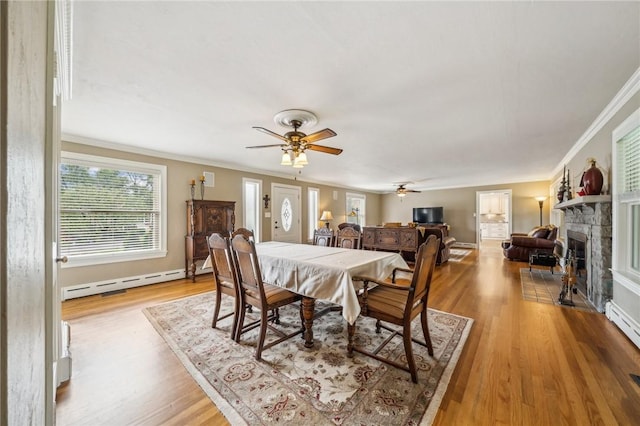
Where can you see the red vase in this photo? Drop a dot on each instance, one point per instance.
(592, 180)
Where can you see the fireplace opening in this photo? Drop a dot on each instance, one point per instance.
(577, 245)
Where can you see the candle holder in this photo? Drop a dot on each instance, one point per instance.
(202, 187)
(193, 189)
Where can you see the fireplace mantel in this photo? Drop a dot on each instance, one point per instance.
(581, 202)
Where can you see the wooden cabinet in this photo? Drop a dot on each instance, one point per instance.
(496, 230)
(393, 239)
(204, 217)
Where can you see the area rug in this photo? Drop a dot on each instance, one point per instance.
(317, 386)
(541, 286)
(456, 255)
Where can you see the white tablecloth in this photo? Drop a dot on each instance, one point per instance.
(324, 272)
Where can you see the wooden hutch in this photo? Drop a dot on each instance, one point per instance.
(204, 217)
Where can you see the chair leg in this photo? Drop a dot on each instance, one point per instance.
(378, 326)
(351, 330)
(236, 311)
(216, 310)
(408, 350)
(240, 323)
(263, 333)
(425, 331)
(277, 315)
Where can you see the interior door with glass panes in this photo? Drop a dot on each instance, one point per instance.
(285, 214)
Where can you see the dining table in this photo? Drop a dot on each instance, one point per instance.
(323, 273)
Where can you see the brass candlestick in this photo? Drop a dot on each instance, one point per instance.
(202, 187)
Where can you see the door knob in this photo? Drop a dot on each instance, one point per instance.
(62, 259)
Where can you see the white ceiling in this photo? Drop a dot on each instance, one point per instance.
(440, 94)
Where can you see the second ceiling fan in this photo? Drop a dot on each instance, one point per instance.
(402, 191)
(295, 142)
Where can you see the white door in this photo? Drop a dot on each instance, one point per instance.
(285, 215)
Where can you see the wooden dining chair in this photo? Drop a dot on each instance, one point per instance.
(225, 278)
(323, 237)
(247, 233)
(399, 304)
(265, 296)
(348, 237)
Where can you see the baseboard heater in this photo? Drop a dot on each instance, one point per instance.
(620, 318)
(100, 287)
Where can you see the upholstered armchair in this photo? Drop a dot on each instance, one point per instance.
(541, 239)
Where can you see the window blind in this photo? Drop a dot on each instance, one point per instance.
(628, 153)
(105, 209)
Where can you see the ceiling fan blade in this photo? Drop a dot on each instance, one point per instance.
(325, 149)
(269, 132)
(281, 145)
(413, 190)
(319, 135)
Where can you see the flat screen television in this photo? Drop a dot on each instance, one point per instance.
(428, 214)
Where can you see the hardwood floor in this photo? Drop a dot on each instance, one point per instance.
(524, 363)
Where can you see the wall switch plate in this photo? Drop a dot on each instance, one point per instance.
(267, 214)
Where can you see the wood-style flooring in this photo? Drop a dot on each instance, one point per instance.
(524, 363)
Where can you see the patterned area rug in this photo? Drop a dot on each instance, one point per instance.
(541, 286)
(318, 386)
(456, 254)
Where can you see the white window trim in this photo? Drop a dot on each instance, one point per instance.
(258, 210)
(89, 260)
(622, 273)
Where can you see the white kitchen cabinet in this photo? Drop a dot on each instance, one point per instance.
(497, 230)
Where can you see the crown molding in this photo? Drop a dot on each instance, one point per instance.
(630, 88)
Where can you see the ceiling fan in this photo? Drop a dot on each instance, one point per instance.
(295, 142)
(401, 191)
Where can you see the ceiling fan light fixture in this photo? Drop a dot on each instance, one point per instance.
(297, 164)
(401, 194)
(302, 159)
(286, 159)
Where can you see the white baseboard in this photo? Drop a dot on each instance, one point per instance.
(99, 287)
(464, 245)
(620, 318)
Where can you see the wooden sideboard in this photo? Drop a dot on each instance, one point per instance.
(204, 217)
(402, 239)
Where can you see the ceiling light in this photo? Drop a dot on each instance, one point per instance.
(297, 164)
(286, 159)
(302, 159)
(401, 194)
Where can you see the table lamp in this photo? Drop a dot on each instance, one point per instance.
(326, 217)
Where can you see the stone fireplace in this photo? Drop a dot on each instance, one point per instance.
(587, 221)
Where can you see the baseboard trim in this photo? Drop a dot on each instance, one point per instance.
(624, 322)
(99, 287)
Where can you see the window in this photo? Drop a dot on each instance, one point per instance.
(252, 188)
(356, 208)
(313, 198)
(110, 210)
(626, 200)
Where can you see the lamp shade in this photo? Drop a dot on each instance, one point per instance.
(286, 159)
(302, 159)
(297, 163)
(326, 216)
